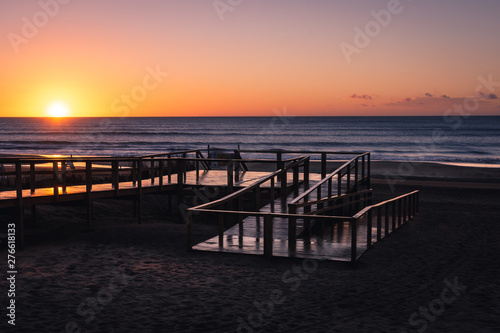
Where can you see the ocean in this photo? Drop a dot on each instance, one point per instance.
(455, 140)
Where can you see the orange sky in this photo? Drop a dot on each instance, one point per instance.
(98, 58)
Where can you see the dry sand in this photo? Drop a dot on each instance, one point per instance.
(125, 277)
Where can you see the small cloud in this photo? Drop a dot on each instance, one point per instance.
(487, 96)
(445, 96)
(361, 96)
(364, 105)
(408, 99)
(428, 95)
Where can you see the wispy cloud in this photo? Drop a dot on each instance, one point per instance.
(368, 97)
(486, 96)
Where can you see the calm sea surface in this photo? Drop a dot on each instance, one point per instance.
(470, 140)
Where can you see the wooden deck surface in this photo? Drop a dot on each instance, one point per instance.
(334, 244)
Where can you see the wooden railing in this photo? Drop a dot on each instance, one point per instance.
(393, 212)
(357, 168)
(322, 154)
(225, 206)
(396, 211)
(138, 168)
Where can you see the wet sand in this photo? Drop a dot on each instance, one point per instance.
(125, 277)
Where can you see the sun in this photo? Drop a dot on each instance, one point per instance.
(58, 109)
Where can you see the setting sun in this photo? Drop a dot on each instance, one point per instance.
(58, 109)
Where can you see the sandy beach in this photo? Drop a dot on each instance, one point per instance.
(438, 273)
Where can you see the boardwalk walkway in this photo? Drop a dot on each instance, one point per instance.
(335, 244)
(307, 214)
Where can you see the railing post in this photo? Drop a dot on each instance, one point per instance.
(240, 217)
(363, 168)
(169, 170)
(292, 228)
(339, 183)
(296, 180)
(133, 173)
(221, 230)
(88, 193)
(20, 207)
(139, 193)
(115, 177)
(279, 162)
(386, 219)
(197, 163)
(405, 210)
(369, 229)
(63, 176)
(354, 240)
(393, 205)
(348, 175)
(257, 199)
(55, 179)
(236, 171)
(230, 176)
(272, 194)
(189, 231)
(368, 180)
(268, 236)
(356, 171)
(160, 177)
(306, 174)
(400, 212)
(152, 171)
(32, 177)
(284, 191)
(379, 223)
(323, 165)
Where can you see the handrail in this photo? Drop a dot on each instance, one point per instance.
(283, 215)
(171, 153)
(368, 208)
(251, 186)
(300, 152)
(325, 179)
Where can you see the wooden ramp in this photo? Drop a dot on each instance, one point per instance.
(333, 244)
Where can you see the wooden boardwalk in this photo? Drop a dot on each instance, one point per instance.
(307, 215)
(334, 244)
(77, 192)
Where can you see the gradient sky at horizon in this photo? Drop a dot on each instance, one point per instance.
(264, 55)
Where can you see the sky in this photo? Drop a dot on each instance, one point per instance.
(249, 58)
